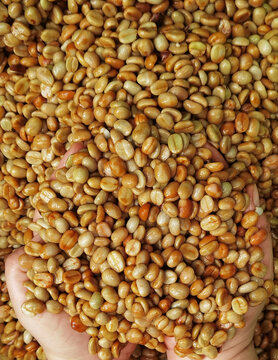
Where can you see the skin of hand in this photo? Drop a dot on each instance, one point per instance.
(241, 347)
(52, 331)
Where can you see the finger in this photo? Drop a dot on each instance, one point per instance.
(73, 149)
(263, 223)
(15, 277)
(253, 193)
(267, 247)
(36, 236)
(127, 351)
(170, 342)
(37, 215)
(216, 155)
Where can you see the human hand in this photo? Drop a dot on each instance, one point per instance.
(52, 331)
(241, 347)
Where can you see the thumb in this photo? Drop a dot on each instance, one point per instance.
(15, 277)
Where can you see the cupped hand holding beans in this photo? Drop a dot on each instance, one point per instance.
(238, 344)
(61, 338)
